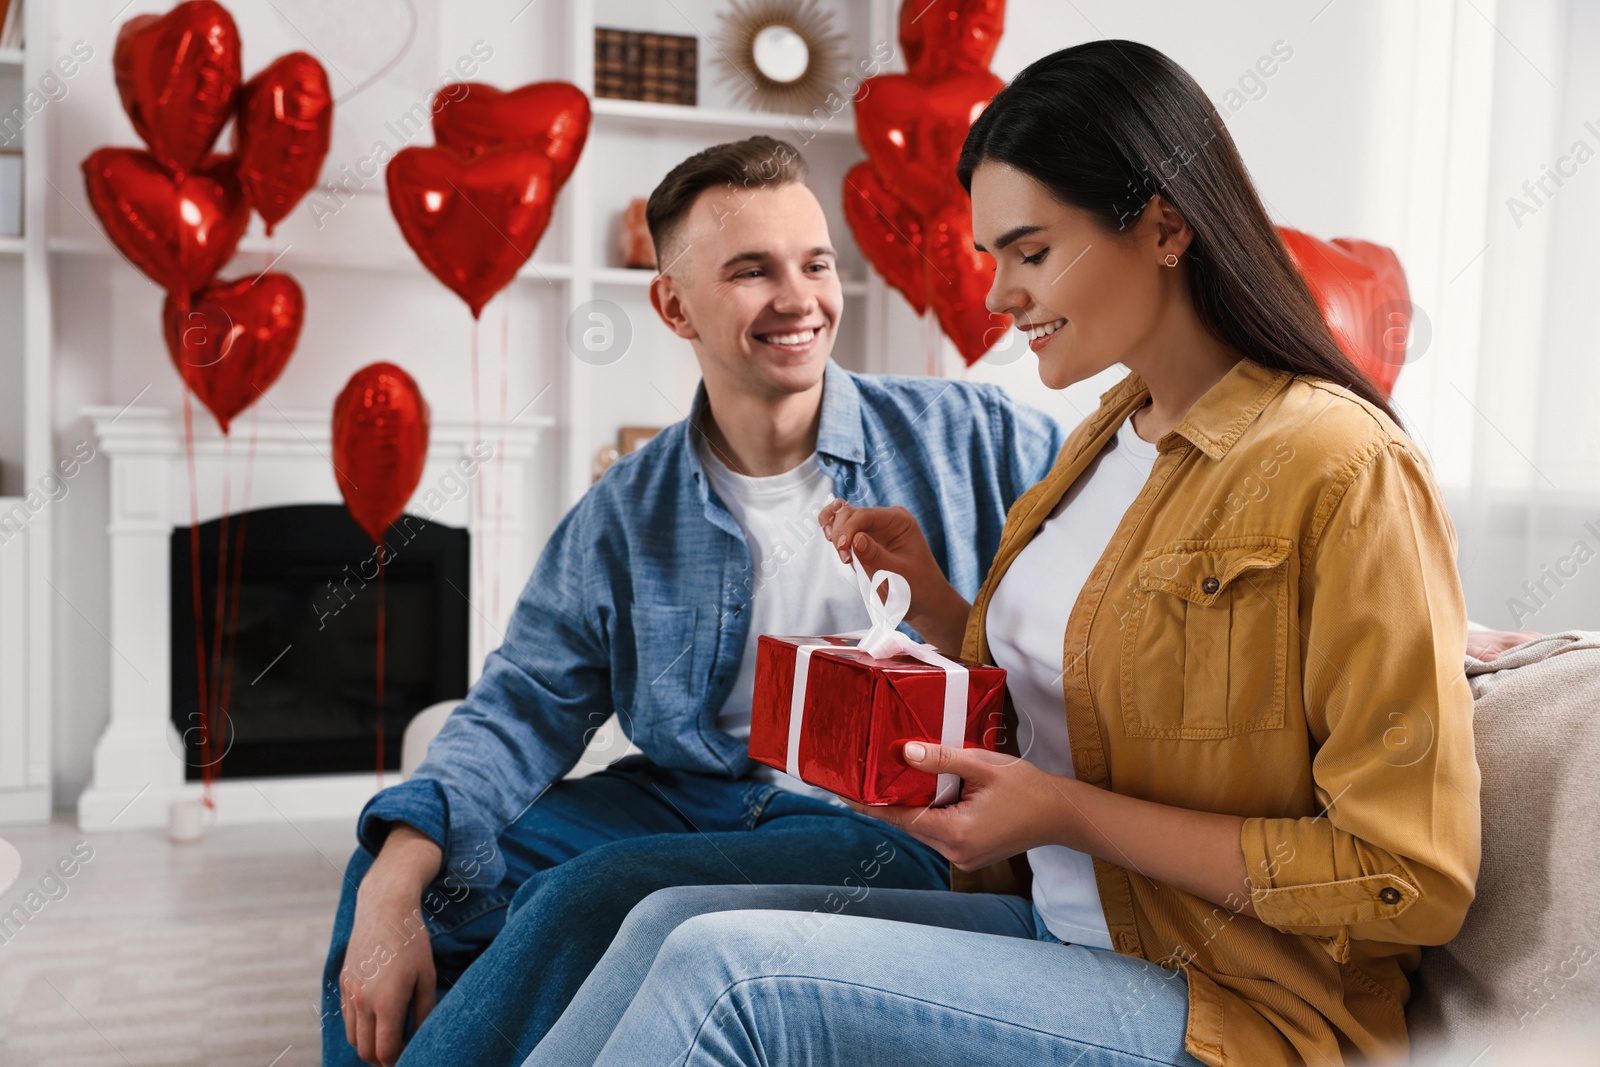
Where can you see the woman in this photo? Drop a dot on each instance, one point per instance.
(1234, 637)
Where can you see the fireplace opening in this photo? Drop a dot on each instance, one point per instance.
(304, 640)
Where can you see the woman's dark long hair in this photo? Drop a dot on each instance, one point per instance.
(1109, 124)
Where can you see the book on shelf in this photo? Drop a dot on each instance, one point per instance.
(659, 67)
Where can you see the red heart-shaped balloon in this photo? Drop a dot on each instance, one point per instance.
(282, 132)
(234, 340)
(959, 278)
(913, 130)
(1364, 296)
(950, 35)
(380, 444)
(549, 117)
(907, 211)
(179, 231)
(473, 222)
(887, 232)
(177, 75)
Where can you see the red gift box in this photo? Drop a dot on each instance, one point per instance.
(858, 712)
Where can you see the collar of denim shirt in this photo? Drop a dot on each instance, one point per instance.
(839, 434)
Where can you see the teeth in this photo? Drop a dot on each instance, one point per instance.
(1045, 330)
(800, 338)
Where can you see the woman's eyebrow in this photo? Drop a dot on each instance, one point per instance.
(1015, 233)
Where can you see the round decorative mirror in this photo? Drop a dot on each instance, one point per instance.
(781, 54)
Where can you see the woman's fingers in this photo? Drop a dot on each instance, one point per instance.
(851, 527)
(828, 514)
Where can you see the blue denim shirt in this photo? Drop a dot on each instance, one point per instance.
(636, 605)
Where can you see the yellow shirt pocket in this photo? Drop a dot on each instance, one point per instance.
(1205, 648)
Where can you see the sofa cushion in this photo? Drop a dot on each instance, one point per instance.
(1527, 960)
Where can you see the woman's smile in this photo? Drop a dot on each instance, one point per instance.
(1039, 333)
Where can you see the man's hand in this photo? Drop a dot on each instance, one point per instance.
(1007, 806)
(388, 965)
(890, 539)
(1487, 645)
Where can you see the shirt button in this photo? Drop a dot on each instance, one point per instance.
(1389, 895)
(1210, 585)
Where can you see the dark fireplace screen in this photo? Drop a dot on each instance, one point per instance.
(303, 637)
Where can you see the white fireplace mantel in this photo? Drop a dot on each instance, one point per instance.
(138, 762)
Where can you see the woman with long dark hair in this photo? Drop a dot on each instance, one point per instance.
(1241, 791)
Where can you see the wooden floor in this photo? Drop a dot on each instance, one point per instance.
(173, 955)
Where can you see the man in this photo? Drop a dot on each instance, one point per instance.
(489, 875)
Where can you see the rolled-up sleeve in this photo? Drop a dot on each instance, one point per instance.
(1393, 856)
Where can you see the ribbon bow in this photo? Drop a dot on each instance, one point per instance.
(883, 641)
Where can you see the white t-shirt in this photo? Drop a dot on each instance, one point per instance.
(1027, 628)
(799, 585)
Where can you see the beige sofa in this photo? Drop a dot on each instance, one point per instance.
(1521, 982)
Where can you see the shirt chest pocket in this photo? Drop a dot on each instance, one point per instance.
(1205, 648)
(665, 683)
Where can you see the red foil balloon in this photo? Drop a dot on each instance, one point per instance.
(913, 130)
(889, 233)
(177, 75)
(473, 222)
(282, 133)
(179, 231)
(906, 199)
(946, 36)
(380, 443)
(549, 117)
(233, 342)
(958, 279)
(1364, 296)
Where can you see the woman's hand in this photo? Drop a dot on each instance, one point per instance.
(1007, 806)
(890, 539)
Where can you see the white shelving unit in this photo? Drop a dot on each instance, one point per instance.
(26, 458)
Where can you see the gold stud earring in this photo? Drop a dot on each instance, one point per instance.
(1171, 260)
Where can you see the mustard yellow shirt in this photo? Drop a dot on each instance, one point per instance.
(1276, 630)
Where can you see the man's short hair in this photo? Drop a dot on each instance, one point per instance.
(759, 162)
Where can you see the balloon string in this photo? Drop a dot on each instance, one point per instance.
(500, 459)
(381, 553)
(477, 498)
(198, 602)
(231, 655)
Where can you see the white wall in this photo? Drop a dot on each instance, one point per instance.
(1312, 135)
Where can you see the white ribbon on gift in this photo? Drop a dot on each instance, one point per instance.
(883, 641)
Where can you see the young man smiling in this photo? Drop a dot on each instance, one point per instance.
(647, 601)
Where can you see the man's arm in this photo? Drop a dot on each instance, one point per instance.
(524, 723)
(520, 729)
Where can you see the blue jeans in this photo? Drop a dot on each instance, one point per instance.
(898, 977)
(576, 862)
